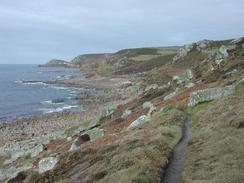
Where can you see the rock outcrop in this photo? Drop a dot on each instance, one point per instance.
(184, 51)
(199, 96)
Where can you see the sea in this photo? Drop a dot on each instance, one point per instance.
(23, 92)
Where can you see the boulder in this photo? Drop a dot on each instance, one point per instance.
(223, 53)
(126, 113)
(47, 164)
(79, 140)
(150, 106)
(185, 77)
(139, 121)
(199, 96)
(69, 139)
(36, 150)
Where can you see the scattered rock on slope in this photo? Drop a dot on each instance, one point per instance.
(209, 94)
(47, 164)
(79, 140)
(139, 121)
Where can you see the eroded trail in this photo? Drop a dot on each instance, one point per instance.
(178, 157)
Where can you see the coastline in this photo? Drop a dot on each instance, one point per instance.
(23, 133)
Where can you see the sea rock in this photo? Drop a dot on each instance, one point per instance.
(126, 113)
(79, 140)
(47, 164)
(209, 94)
(139, 121)
(11, 172)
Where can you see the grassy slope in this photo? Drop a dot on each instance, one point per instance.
(216, 151)
(128, 156)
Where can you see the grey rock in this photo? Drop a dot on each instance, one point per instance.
(36, 150)
(209, 94)
(223, 53)
(202, 45)
(151, 87)
(126, 113)
(186, 77)
(184, 51)
(47, 164)
(139, 121)
(171, 95)
(150, 106)
(238, 41)
(8, 173)
(79, 141)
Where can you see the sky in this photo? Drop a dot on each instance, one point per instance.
(33, 31)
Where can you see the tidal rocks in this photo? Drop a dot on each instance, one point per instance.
(199, 96)
(47, 164)
(139, 121)
(79, 141)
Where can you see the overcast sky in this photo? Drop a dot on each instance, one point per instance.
(33, 31)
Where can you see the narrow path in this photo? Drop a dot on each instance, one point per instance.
(178, 158)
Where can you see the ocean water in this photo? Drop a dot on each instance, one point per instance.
(21, 97)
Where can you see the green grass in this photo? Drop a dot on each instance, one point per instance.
(215, 151)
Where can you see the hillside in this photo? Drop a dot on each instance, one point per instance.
(150, 95)
(57, 63)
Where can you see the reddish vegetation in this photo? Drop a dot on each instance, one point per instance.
(181, 98)
(101, 141)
